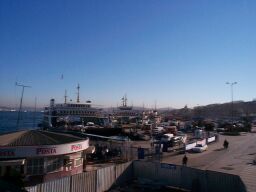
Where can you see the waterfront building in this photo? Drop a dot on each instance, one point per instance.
(40, 156)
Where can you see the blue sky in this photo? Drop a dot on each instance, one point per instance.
(175, 52)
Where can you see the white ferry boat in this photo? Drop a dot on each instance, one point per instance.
(59, 114)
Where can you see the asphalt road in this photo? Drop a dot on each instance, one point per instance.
(237, 159)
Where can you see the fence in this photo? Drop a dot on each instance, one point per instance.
(190, 146)
(211, 139)
(187, 178)
(93, 181)
(163, 174)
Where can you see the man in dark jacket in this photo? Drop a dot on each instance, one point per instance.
(225, 144)
(184, 160)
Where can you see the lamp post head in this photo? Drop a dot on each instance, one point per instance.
(233, 83)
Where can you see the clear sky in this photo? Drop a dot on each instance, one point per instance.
(174, 52)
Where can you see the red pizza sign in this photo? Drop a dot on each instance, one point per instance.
(76, 147)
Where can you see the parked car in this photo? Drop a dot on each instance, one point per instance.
(199, 148)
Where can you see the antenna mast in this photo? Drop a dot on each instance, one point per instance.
(78, 87)
(19, 114)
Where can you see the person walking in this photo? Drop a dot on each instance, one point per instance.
(225, 144)
(184, 160)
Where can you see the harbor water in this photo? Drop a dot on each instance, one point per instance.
(28, 120)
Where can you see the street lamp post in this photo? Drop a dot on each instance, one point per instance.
(232, 99)
(21, 99)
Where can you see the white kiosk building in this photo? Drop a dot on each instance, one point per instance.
(41, 155)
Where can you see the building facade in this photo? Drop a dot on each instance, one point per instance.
(40, 156)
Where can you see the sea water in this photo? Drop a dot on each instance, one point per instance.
(28, 121)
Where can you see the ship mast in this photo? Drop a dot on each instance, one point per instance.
(124, 101)
(78, 87)
(65, 96)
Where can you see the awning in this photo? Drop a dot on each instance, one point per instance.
(12, 162)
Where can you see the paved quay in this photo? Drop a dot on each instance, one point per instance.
(237, 159)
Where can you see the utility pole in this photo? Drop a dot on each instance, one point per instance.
(232, 99)
(19, 114)
(34, 116)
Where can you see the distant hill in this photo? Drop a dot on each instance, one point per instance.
(110, 109)
(2, 108)
(240, 108)
(165, 109)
